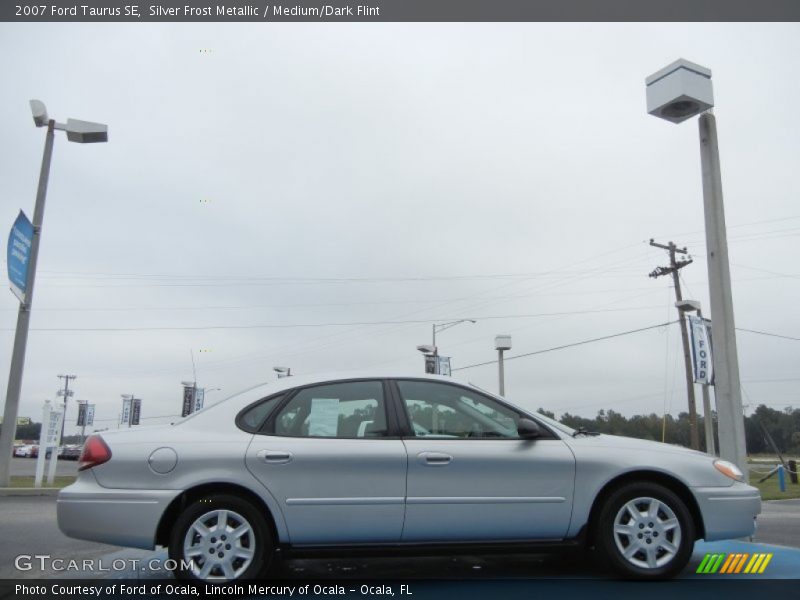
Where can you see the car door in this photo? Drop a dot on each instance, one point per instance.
(471, 478)
(332, 457)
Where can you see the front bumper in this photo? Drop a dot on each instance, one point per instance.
(122, 517)
(728, 512)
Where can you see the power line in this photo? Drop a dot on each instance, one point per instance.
(581, 343)
(785, 337)
(345, 324)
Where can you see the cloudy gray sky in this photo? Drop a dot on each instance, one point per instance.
(263, 178)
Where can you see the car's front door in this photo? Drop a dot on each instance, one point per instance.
(470, 476)
(328, 457)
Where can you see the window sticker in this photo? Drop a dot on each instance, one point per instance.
(324, 417)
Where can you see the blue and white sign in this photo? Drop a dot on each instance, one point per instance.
(701, 350)
(19, 253)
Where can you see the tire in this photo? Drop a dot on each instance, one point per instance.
(242, 551)
(645, 531)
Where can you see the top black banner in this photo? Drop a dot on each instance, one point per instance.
(399, 10)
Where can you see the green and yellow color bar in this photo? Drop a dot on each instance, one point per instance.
(734, 563)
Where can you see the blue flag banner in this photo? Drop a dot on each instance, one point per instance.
(19, 253)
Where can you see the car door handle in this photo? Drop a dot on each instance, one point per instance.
(434, 459)
(275, 456)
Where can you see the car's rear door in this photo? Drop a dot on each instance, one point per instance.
(471, 478)
(333, 459)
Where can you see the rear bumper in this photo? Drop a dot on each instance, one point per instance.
(728, 512)
(88, 511)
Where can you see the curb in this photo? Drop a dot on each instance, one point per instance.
(29, 491)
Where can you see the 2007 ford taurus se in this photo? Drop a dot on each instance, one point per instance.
(407, 463)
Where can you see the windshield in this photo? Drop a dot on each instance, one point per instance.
(552, 422)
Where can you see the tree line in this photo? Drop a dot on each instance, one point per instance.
(783, 426)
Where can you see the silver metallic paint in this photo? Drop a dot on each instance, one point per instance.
(489, 490)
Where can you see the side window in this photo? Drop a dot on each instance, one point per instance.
(446, 411)
(343, 410)
(252, 418)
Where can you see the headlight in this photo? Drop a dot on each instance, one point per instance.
(729, 469)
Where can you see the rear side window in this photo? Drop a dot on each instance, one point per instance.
(354, 409)
(253, 417)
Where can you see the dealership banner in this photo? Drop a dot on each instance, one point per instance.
(50, 434)
(82, 410)
(702, 361)
(136, 410)
(188, 400)
(199, 398)
(126, 412)
(18, 258)
(90, 414)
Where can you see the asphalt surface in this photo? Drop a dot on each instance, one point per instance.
(31, 523)
(779, 523)
(27, 466)
(28, 526)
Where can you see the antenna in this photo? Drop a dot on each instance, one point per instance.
(194, 370)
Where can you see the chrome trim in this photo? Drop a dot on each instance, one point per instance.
(341, 501)
(486, 500)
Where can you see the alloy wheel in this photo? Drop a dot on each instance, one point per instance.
(220, 545)
(647, 533)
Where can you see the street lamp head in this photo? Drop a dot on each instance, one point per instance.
(39, 111)
(86, 132)
(687, 305)
(502, 342)
(427, 349)
(679, 91)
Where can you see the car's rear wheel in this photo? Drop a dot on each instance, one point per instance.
(645, 531)
(220, 537)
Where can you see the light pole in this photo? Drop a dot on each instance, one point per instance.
(433, 349)
(708, 423)
(501, 344)
(676, 93)
(283, 371)
(442, 326)
(82, 132)
(66, 392)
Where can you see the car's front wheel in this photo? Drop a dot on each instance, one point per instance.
(645, 531)
(220, 537)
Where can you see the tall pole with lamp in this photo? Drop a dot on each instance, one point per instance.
(676, 93)
(82, 132)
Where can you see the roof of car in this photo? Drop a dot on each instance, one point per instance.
(294, 381)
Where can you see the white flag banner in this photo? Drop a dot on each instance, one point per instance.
(126, 412)
(701, 350)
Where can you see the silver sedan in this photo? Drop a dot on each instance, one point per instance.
(409, 463)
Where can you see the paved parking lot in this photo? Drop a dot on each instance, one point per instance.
(31, 523)
(27, 466)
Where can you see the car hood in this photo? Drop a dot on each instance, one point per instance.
(630, 444)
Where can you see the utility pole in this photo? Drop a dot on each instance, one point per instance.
(66, 392)
(673, 268)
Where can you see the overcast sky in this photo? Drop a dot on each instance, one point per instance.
(317, 174)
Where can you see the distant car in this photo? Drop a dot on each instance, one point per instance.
(34, 452)
(70, 452)
(405, 463)
(22, 451)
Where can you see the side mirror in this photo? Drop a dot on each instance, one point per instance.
(528, 429)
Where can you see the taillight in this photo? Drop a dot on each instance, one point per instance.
(95, 452)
